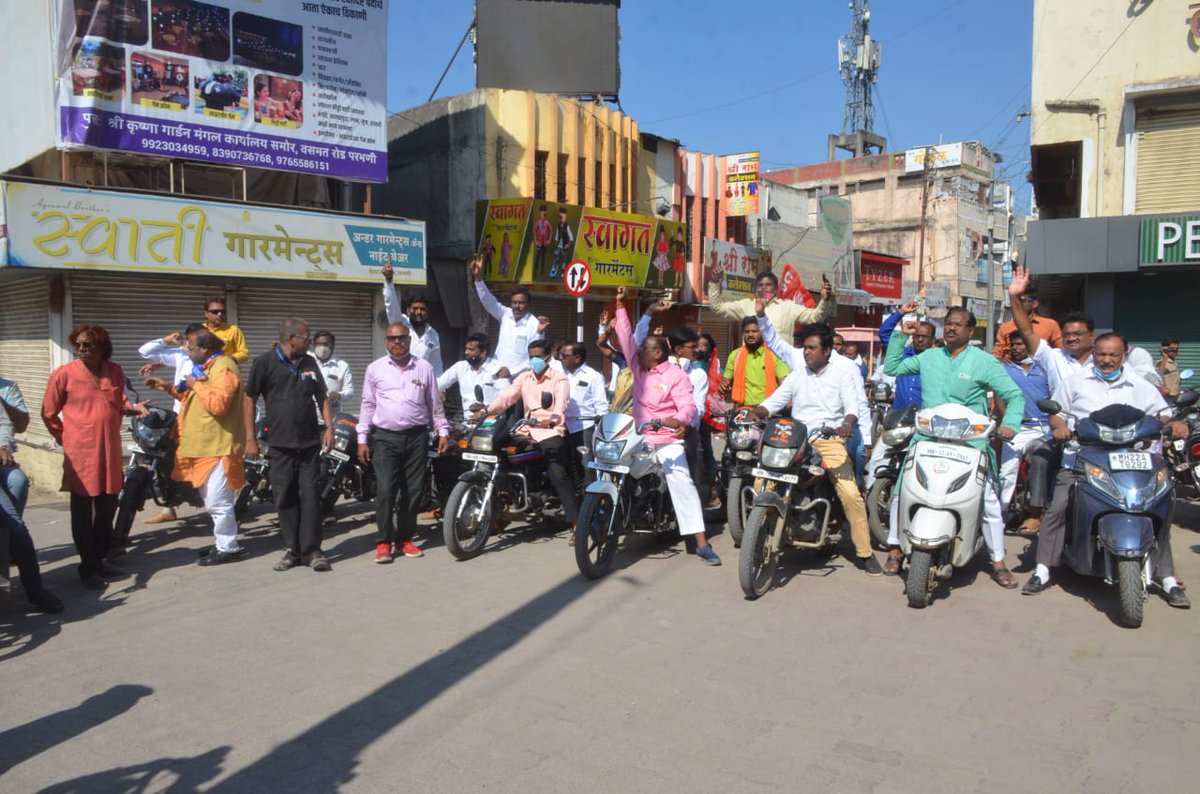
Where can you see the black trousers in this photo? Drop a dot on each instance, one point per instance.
(557, 461)
(401, 474)
(91, 525)
(580, 438)
(695, 461)
(294, 483)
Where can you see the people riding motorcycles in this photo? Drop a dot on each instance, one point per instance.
(907, 389)
(546, 427)
(662, 392)
(961, 374)
(1029, 440)
(1107, 382)
(824, 395)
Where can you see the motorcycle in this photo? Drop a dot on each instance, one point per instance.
(743, 429)
(257, 487)
(508, 480)
(894, 432)
(628, 496)
(795, 505)
(1183, 455)
(881, 405)
(148, 472)
(942, 487)
(1121, 502)
(340, 471)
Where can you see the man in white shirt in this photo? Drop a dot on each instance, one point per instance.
(1078, 333)
(588, 399)
(338, 381)
(824, 395)
(426, 343)
(1108, 382)
(518, 327)
(477, 368)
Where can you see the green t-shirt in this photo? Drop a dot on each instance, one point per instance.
(756, 373)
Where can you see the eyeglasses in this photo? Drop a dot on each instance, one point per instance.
(221, 312)
(1170, 350)
(403, 338)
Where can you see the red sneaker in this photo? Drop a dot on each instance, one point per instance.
(383, 553)
(410, 549)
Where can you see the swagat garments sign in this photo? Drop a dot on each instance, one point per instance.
(282, 84)
(530, 241)
(61, 227)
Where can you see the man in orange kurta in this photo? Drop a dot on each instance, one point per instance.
(212, 437)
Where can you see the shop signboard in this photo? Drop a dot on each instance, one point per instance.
(544, 237)
(936, 293)
(289, 85)
(739, 263)
(1170, 241)
(741, 184)
(52, 226)
(880, 275)
(943, 155)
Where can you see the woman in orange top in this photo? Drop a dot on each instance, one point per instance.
(82, 409)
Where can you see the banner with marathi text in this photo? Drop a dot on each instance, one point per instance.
(69, 227)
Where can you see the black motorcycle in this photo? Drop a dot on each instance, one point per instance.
(743, 429)
(257, 487)
(341, 473)
(1183, 455)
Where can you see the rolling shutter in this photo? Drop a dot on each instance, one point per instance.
(1168, 160)
(346, 311)
(25, 346)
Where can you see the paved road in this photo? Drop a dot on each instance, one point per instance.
(511, 673)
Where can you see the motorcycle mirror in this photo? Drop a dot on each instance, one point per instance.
(1050, 407)
(547, 400)
(478, 393)
(1187, 398)
(1187, 374)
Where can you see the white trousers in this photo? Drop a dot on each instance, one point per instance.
(218, 501)
(877, 455)
(688, 512)
(993, 522)
(1010, 460)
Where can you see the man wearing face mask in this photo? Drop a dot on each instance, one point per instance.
(426, 343)
(518, 327)
(1104, 383)
(548, 428)
(338, 381)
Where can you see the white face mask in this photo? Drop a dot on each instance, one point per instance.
(322, 353)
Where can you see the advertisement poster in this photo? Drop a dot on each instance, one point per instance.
(289, 85)
(61, 227)
(740, 264)
(741, 184)
(835, 217)
(542, 237)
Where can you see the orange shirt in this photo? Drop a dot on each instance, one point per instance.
(83, 412)
(1044, 327)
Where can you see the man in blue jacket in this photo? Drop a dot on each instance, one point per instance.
(908, 387)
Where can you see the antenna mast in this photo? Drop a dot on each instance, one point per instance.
(859, 58)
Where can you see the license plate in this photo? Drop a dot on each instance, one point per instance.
(476, 457)
(609, 467)
(1129, 461)
(337, 454)
(948, 452)
(774, 475)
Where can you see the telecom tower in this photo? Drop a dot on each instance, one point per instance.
(858, 62)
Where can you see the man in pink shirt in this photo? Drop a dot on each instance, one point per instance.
(662, 391)
(549, 428)
(400, 402)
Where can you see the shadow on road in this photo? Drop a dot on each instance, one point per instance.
(23, 742)
(163, 774)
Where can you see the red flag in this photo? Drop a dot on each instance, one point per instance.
(791, 287)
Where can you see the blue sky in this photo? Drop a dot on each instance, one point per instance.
(729, 77)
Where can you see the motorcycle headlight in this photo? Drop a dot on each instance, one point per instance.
(897, 436)
(1118, 435)
(777, 457)
(609, 451)
(1099, 479)
(740, 438)
(341, 443)
(481, 443)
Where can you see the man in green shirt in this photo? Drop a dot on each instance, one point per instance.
(963, 375)
(752, 371)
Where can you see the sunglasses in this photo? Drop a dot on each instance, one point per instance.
(1170, 350)
(216, 311)
(403, 338)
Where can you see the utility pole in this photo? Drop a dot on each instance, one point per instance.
(990, 336)
(926, 179)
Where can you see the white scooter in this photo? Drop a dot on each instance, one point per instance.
(942, 488)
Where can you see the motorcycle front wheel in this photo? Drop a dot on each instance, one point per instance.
(879, 503)
(1133, 592)
(467, 521)
(759, 556)
(595, 539)
(920, 583)
(735, 513)
(132, 499)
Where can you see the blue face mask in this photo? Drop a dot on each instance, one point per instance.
(538, 365)
(1109, 376)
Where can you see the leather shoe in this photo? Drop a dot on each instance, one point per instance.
(891, 566)
(45, 601)
(1177, 598)
(1034, 586)
(216, 557)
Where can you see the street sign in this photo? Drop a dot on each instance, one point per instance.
(577, 277)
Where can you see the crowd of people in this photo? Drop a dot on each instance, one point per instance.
(670, 374)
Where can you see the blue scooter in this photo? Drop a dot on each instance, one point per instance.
(1121, 503)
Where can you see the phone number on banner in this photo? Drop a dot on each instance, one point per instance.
(233, 155)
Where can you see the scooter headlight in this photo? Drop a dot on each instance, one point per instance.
(1118, 435)
(777, 457)
(609, 451)
(1102, 481)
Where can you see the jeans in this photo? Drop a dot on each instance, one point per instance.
(14, 490)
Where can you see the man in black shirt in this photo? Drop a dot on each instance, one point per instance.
(290, 383)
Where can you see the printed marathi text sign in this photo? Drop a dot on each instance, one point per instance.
(282, 84)
(741, 184)
(61, 227)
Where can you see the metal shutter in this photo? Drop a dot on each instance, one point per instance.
(346, 311)
(1151, 309)
(25, 346)
(1168, 160)
(136, 309)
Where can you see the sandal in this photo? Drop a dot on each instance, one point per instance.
(1004, 578)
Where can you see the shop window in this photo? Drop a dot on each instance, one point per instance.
(540, 160)
(1057, 170)
(563, 163)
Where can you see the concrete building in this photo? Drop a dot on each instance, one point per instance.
(1115, 152)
